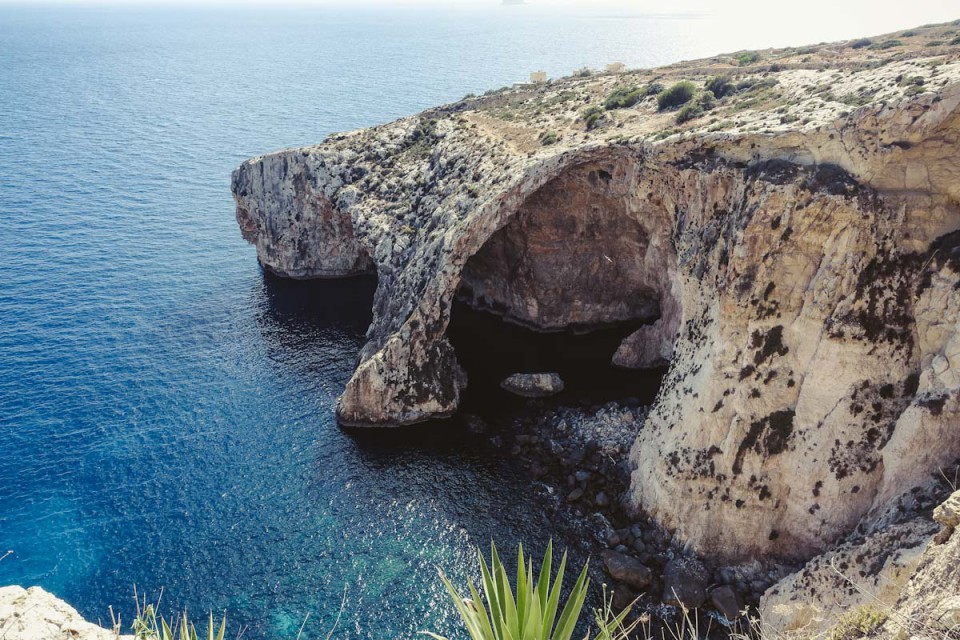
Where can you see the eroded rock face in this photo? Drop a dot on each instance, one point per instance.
(805, 279)
(284, 208)
(901, 570)
(576, 255)
(871, 573)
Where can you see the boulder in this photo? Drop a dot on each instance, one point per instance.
(628, 570)
(727, 602)
(533, 385)
(685, 583)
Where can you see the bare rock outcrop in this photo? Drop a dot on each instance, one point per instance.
(35, 614)
(798, 251)
(904, 573)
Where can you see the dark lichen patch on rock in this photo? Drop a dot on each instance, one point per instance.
(768, 344)
(933, 403)
(767, 436)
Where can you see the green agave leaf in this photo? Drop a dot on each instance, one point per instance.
(532, 611)
(483, 620)
(534, 622)
(509, 604)
(493, 599)
(553, 601)
(543, 582)
(521, 587)
(469, 620)
(571, 612)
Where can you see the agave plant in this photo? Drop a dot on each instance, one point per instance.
(531, 614)
(148, 625)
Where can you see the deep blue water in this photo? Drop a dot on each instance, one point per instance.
(166, 409)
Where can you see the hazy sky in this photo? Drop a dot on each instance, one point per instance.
(761, 22)
(868, 7)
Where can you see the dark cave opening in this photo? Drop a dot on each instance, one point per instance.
(490, 348)
(580, 277)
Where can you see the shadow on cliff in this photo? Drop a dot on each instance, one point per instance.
(490, 349)
(315, 328)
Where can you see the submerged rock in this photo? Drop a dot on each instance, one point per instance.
(533, 385)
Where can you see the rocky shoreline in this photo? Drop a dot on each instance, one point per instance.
(576, 457)
(572, 454)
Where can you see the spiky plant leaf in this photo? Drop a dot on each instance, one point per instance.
(528, 612)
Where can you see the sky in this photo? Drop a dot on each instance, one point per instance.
(744, 7)
(774, 22)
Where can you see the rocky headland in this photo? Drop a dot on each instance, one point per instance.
(783, 229)
(779, 229)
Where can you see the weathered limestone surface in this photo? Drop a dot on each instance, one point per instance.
(35, 614)
(903, 571)
(802, 256)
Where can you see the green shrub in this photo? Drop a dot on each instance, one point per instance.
(747, 58)
(861, 43)
(653, 89)
(955, 40)
(593, 116)
(857, 624)
(706, 100)
(584, 72)
(689, 112)
(622, 98)
(676, 96)
(720, 86)
(752, 84)
(886, 44)
(548, 137)
(531, 614)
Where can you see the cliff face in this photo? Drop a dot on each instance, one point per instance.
(799, 255)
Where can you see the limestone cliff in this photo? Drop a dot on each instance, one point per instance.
(794, 236)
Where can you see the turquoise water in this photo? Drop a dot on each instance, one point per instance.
(166, 409)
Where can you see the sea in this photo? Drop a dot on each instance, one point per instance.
(167, 408)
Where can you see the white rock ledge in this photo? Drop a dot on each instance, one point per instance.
(35, 614)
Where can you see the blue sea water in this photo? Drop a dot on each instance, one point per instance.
(166, 408)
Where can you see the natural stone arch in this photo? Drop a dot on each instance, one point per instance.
(417, 362)
(582, 252)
